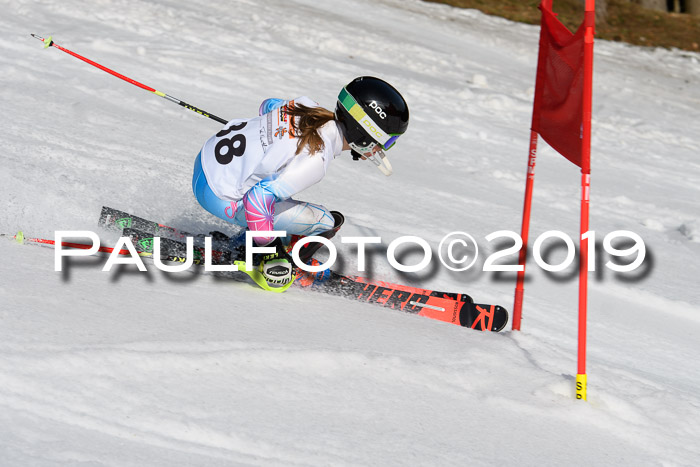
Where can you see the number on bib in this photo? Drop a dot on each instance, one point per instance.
(226, 148)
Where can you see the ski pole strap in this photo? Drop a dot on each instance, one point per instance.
(48, 42)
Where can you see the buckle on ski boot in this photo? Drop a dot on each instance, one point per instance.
(277, 268)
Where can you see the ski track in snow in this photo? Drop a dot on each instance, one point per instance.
(130, 368)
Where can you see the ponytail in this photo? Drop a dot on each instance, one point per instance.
(306, 126)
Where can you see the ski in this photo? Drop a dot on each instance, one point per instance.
(114, 219)
(453, 308)
(449, 307)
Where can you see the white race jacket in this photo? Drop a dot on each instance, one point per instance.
(245, 152)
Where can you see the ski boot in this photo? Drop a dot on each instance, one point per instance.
(307, 251)
(277, 268)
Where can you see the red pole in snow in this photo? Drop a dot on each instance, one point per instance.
(581, 377)
(525, 232)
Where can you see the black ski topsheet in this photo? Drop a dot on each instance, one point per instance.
(114, 219)
(451, 307)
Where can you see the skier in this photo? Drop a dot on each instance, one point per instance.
(248, 172)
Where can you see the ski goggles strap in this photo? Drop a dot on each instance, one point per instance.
(370, 126)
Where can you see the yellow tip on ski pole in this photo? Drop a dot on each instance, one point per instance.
(19, 238)
(581, 383)
(48, 41)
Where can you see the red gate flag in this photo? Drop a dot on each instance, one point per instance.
(561, 115)
(558, 111)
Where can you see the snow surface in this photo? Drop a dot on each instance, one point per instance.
(137, 369)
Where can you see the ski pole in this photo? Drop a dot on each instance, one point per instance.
(48, 42)
(21, 239)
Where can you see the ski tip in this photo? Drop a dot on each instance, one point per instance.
(483, 317)
(19, 237)
(500, 319)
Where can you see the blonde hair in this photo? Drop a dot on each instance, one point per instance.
(306, 126)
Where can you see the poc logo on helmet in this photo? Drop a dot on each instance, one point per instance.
(372, 129)
(377, 109)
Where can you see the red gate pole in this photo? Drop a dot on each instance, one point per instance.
(525, 232)
(581, 376)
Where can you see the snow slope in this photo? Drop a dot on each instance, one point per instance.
(134, 368)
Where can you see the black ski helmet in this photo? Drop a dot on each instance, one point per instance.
(370, 110)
